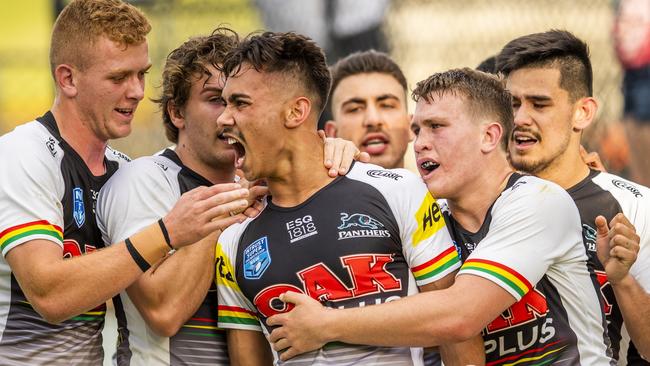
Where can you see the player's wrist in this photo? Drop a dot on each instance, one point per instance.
(624, 282)
(148, 246)
(332, 325)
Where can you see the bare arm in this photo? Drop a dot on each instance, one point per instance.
(248, 348)
(470, 352)
(618, 246)
(425, 319)
(61, 288)
(171, 292)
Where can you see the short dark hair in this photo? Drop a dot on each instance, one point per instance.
(557, 49)
(364, 63)
(288, 53)
(484, 93)
(186, 64)
(488, 65)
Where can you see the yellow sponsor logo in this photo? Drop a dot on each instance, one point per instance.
(224, 271)
(429, 219)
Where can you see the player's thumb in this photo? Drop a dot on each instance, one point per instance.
(601, 226)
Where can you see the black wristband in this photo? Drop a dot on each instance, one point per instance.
(141, 262)
(165, 234)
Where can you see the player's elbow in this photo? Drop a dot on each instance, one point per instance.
(51, 310)
(164, 323)
(459, 328)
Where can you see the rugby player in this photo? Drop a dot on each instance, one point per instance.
(524, 280)
(549, 75)
(348, 242)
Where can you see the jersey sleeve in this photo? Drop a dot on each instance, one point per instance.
(235, 310)
(426, 243)
(137, 195)
(640, 270)
(534, 225)
(31, 189)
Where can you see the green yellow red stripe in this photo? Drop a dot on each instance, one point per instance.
(437, 265)
(502, 273)
(237, 315)
(41, 227)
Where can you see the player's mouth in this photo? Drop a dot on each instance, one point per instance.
(126, 112)
(375, 143)
(238, 147)
(525, 139)
(426, 167)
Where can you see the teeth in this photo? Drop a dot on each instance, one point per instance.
(374, 142)
(231, 141)
(429, 165)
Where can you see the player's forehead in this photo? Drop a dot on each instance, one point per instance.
(368, 86)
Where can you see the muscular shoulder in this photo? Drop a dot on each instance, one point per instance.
(31, 155)
(385, 180)
(535, 194)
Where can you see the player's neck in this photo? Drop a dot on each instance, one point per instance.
(300, 172)
(470, 207)
(214, 173)
(566, 170)
(81, 138)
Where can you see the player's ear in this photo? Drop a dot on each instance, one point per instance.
(330, 128)
(175, 115)
(298, 112)
(586, 109)
(65, 78)
(492, 133)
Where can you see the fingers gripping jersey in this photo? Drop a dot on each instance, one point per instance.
(530, 245)
(370, 237)
(606, 194)
(47, 192)
(137, 196)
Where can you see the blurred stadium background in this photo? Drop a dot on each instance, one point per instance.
(424, 36)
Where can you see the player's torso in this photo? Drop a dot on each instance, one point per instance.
(536, 329)
(199, 341)
(342, 247)
(27, 338)
(593, 200)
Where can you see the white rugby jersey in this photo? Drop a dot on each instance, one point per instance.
(607, 194)
(369, 237)
(138, 195)
(47, 192)
(530, 245)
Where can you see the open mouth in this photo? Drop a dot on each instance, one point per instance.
(426, 166)
(375, 144)
(126, 112)
(240, 151)
(523, 140)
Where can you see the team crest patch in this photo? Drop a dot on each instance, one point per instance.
(589, 234)
(78, 211)
(360, 225)
(257, 259)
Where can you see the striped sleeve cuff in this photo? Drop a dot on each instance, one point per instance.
(233, 317)
(438, 267)
(29, 231)
(502, 275)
